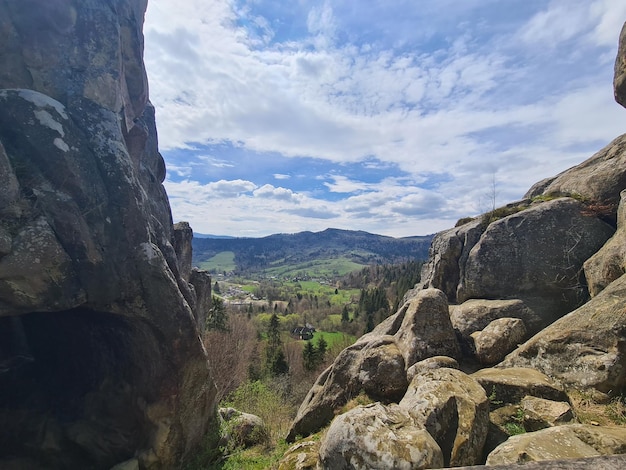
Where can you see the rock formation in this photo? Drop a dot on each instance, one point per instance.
(101, 360)
(513, 272)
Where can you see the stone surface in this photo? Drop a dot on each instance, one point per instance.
(619, 78)
(609, 263)
(377, 363)
(378, 437)
(599, 179)
(510, 385)
(475, 314)
(91, 292)
(303, 455)
(435, 362)
(534, 253)
(558, 443)
(540, 413)
(243, 429)
(454, 409)
(584, 348)
(498, 339)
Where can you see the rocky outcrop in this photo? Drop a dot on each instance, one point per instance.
(454, 409)
(93, 298)
(509, 385)
(587, 347)
(377, 363)
(609, 263)
(558, 443)
(378, 436)
(242, 429)
(498, 339)
(598, 180)
(619, 78)
(534, 254)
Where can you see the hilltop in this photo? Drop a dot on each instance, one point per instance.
(331, 251)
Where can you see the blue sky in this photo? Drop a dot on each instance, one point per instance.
(396, 117)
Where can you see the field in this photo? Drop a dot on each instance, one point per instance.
(221, 262)
(324, 268)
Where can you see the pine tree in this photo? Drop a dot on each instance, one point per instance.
(308, 356)
(217, 318)
(275, 361)
(345, 315)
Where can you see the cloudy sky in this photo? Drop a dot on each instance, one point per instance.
(396, 117)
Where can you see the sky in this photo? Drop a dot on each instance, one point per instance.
(396, 117)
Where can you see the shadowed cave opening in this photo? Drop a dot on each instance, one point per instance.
(74, 387)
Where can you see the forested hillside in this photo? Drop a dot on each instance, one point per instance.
(336, 251)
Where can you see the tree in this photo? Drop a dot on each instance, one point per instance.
(308, 356)
(217, 318)
(322, 347)
(345, 315)
(275, 361)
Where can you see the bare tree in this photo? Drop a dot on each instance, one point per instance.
(230, 353)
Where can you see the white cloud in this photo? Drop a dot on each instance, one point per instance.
(522, 102)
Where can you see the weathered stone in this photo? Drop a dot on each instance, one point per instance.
(426, 330)
(454, 409)
(619, 78)
(376, 364)
(91, 295)
(378, 437)
(435, 362)
(586, 347)
(303, 455)
(560, 442)
(243, 429)
(498, 339)
(609, 263)
(540, 413)
(475, 314)
(183, 234)
(510, 385)
(599, 179)
(201, 282)
(446, 257)
(534, 253)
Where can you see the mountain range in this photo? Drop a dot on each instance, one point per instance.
(334, 250)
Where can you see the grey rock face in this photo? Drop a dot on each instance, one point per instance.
(454, 409)
(619, 78)
(498, 339)
(560, 443)
(91, 290)
(377, 363)
(378, 437)
(584, 348)
(609, 263)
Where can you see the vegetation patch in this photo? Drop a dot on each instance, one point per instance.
(221, 262)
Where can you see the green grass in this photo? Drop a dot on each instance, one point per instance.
(224, 261)
(333, 338)
(316, 268)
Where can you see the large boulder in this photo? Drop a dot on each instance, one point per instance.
(101, 359)
(377, 363)
(558, 443)
(378, 437)
(598, 180)
(609, 263)
(584, 348)
(510, 385)
(537, 252)
(534, 254)
(619, 78)
(454, 409)
(498, 339)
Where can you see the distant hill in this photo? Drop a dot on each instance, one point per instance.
(331, 252)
